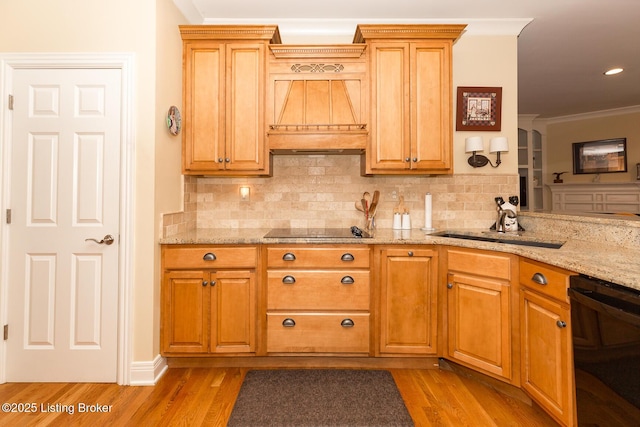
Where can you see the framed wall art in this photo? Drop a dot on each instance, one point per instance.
(479, 108)
(603, 156)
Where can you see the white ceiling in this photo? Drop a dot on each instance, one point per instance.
(562, 52)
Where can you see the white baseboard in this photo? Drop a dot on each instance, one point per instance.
(147, 373)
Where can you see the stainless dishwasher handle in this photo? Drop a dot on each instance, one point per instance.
(539, 279)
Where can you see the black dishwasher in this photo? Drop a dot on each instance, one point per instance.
(605, 322)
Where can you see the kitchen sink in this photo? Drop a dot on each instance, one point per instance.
(501, 239)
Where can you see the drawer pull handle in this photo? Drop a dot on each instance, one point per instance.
(288, 257)
(561, 324)
(347, 257)
(347, 280)
(209, 257)
(205, 283)
(288, 280)
(288, 323)
(539, 279)
(347, 323)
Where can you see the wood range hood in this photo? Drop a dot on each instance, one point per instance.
(317, 101)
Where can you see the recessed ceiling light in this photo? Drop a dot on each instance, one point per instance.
(613, 71)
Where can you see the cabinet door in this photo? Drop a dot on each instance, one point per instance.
(408, 311)
(390, 127)
(233, 308)
(431, 121)
(547, 373)
(245, 148)
(185, 326)
(203, 115)
(479, 325)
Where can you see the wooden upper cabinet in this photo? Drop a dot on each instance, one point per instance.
(411, 93)
(224, 75)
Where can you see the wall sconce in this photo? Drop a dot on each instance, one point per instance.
(497, 145)
(244, 194)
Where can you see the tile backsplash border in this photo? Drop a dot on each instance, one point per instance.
(321, 190)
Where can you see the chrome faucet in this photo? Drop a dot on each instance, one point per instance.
(502, 214)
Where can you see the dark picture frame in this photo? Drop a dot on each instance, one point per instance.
(601, 156)
(479, 108)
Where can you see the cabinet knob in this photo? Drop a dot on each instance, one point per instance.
(288, 280)
(415, 160)
(449, 285)
(288, 323)
(347, 257)
(410, 253)
(205, 283)
(539, 279)
(347, 280)
(212, 283)
(407, 160)
(347, 323)
(209, 257)
(227, 160)
(561, 324)
(220, 160)
(288, 257)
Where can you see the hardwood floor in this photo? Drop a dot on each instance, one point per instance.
(205, 397)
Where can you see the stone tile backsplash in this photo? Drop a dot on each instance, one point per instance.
(321, 191)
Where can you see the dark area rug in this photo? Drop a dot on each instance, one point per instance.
(324, 397)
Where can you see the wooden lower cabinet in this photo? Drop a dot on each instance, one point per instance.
(318, 300)
(209, 312)
(408, 300)
(480, 310)
(547, 353)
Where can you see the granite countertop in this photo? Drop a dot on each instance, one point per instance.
(604, 260)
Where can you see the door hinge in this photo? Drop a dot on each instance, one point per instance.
(8, 216)
(10, 102)
(5, 332)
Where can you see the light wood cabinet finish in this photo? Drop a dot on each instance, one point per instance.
(480, 311)
(411, 98)
(224, 75)
(317, 98)
(318, 299)
(547, 353)
(408, 300)
(212, 309)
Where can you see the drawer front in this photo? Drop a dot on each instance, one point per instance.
(480, 263)
(533, 274)
(205, 257)
(317, 332)
(313, 289)
(317, 257)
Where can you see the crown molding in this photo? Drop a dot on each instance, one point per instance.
(345, 28)
(591, 115)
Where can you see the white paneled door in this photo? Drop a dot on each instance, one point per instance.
(63, 235)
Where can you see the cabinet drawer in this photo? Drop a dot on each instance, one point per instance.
(480, 263)
(533, 274)
(204, 257)
(314, 289)
(318, 332)
(317, 257)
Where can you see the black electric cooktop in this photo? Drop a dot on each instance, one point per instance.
(317, 233)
